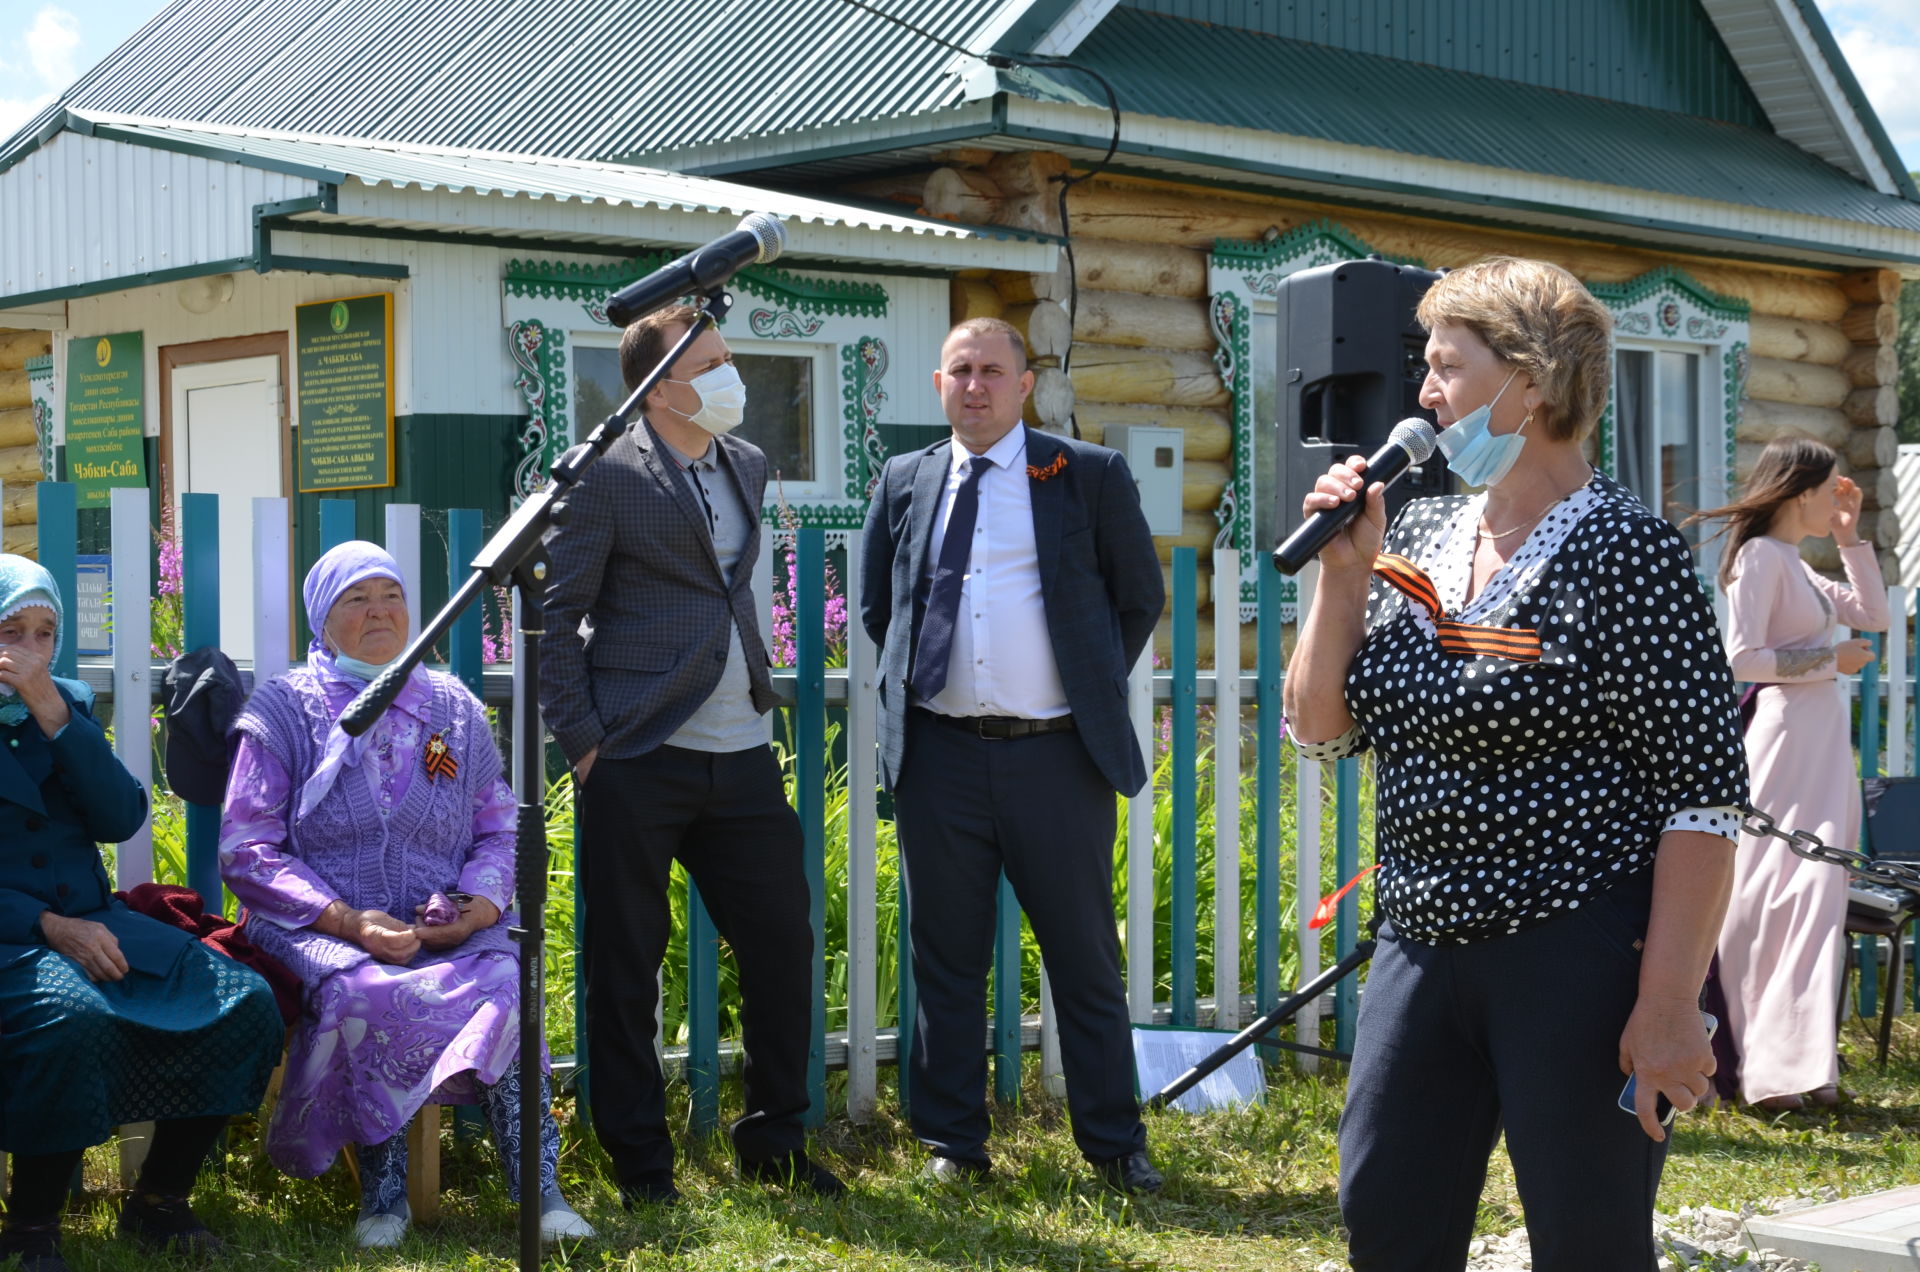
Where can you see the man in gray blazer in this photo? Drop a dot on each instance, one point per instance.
(655, 681)
(1010, 582)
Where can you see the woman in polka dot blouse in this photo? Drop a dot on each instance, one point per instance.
(1537, 672)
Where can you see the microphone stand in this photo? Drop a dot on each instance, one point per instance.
(517, 554)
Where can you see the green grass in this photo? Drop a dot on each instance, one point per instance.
(1253, 1189)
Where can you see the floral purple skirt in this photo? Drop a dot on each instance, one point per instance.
(379, 1041)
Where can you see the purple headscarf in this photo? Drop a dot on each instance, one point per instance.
(354, 561)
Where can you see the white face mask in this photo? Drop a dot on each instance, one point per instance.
(723, 399)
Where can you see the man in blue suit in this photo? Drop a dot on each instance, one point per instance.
(1010, 582)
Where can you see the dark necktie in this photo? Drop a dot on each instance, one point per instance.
(943, 596)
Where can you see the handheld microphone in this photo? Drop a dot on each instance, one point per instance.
(759, 239)
(1411, 442)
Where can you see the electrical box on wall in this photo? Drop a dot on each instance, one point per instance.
(1158, 459)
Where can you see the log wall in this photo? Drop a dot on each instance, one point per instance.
(19, 445)
(1821, 343)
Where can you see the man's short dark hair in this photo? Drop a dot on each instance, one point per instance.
(648, 338)
(985, 326)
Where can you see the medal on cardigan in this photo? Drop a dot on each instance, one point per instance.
(440, 761)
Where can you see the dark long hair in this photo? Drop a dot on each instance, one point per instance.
(1786, 469)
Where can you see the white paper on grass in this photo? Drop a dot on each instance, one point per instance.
(1161, 1055)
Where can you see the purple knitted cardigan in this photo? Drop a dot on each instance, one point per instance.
(374, 863)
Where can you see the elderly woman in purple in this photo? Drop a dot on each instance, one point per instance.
(379, 868)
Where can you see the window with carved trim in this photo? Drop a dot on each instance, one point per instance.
(1660, 448)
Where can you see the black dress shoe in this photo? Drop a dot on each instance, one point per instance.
(1133, 1173)
(963, 1171)
(166, 1224)
(796, 1170)
(653, 1187)
(37, 1247)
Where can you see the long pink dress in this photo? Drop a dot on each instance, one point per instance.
(1780, 950)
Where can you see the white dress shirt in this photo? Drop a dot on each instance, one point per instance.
(1002, 654)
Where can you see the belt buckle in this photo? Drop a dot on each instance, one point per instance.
(981, 724)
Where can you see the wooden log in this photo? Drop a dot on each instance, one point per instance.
(19, 463)
(962, 194)
(1764, 421)
(1872, 448)
(17, 346)
(1025, 289)
(908, 188)
(16, 427)
(1201, 485)
(1879, 487)
(1152, 269)
(14, 390)
(973, 298)
(1050, 405)
(1797, 383)
(1209, 434)
(1871, 324)
(21, 505)
(966, 157)
(1872, 287)
(1044, 324)
(1870, 366)
(1197, 531)
(22, 541)
(1873, 408)
(1140, 322)
(1169, 377)
(1027, 173)
(1881, 526)
(1797, 340)
(1110, 210)
(1822, 555)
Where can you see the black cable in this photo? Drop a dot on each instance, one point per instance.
(1007, 61)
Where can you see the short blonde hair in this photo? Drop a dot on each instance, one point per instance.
(1537, 317)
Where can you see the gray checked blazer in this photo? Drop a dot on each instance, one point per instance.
(635, 559)
(1099, 575)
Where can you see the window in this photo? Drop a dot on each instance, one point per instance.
(1660, 459)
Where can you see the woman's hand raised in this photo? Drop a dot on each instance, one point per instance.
(1358, 542)
(1847, 499)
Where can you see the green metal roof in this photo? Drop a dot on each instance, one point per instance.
(1178, 69)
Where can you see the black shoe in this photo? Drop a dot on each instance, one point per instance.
(958, 1171)
(796, 1170)
(37, 1247)
(1133, 1173)
(166, 1224)
(653, 1187)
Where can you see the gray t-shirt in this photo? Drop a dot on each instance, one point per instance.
(726, 721)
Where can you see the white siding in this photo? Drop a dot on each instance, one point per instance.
(80, 210)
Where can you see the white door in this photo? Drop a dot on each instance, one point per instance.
(227, 439)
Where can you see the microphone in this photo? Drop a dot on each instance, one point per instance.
(759, 239)
(1411, 442)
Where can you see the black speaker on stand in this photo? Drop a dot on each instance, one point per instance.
(1351, 359)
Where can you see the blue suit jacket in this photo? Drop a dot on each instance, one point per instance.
(1099, 576)
(59, 799)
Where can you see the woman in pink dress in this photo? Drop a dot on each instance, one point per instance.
(1781, 956)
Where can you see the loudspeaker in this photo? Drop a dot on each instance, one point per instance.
(1351, 359)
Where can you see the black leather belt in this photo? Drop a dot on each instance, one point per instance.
(1001, 728)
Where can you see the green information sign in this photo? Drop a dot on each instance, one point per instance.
(344, 351)
(106, 415)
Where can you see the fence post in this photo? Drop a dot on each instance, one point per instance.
(1346, 794)
(1897, 682)
(200, 625)
(1226, 788)
(1006, 994)
(810, 782)
(1869, 946)
(336, 523)
(1184, 779)
(1140, 984)
(131, 536)
(59, 530)
(403, 545)
(862, 843)
(272, 590)
(1266, 792)
(703, 1013)
(465, 533)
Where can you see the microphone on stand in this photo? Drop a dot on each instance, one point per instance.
(760, 238)
(1411, 443)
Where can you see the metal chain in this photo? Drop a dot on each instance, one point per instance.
(1805, 843)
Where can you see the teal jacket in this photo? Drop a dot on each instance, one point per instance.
(59, 799)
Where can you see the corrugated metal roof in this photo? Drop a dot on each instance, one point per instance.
(1178, 69)
(432, 168)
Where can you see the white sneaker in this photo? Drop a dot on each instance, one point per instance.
(562, 1223)
(380, 1232)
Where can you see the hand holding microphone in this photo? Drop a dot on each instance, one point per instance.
(1335, 529)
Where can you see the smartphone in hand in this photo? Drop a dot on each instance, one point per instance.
(1663, 1107)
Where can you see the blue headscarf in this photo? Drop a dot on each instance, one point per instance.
(23, 585)
(354, 561)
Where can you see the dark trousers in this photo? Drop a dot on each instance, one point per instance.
(1522, 1032)
(966, 809)
(725, 818)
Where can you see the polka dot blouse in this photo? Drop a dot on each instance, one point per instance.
(1510, 790)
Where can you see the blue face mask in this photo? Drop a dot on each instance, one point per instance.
(1476, 456)
(358, 669)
